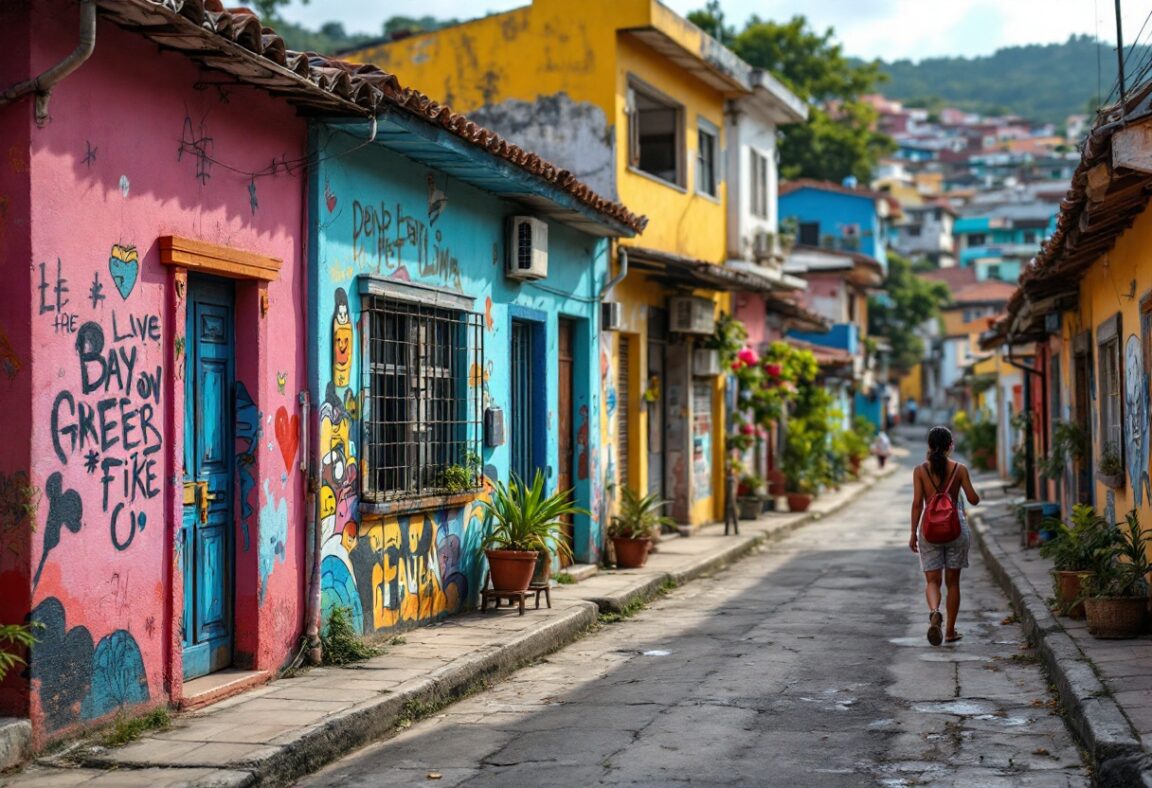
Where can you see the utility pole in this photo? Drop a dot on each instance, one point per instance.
(1120, 54)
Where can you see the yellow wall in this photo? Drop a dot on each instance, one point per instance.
(1105, 290)
(911, 385)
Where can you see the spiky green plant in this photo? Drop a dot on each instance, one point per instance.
(520, 516)
(639, 516)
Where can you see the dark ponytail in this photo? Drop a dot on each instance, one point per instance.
(939, 442)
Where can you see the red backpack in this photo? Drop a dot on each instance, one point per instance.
(941, 523)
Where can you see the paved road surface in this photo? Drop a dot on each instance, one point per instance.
(804, 664)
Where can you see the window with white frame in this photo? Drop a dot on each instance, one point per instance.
(759, 191)
(707, 177)
(654, 134)
(422, 427)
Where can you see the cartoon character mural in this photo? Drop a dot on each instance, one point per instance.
(1136, 418)
(341, 340)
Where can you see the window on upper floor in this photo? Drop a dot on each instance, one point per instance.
(1111, 390)
(759, 191)
(654, 134)
(707, 175)
(977, 239)
(914, 231)
(422, 415)
(1030, 237)
(994, 272)
(809, 233)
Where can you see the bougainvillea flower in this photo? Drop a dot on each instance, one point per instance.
(747, 429)
(748, 356)
(772, 370)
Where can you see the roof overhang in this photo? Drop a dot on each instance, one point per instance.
(685, 272)
(434, 147)
(774, 102)
(858, 269)
(694, 51)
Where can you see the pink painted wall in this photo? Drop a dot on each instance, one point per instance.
(144, 144)
(750, 310)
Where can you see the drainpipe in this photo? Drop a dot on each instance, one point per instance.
(43, 84)
(622, 253)
(312, 621)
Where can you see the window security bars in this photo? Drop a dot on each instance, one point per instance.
(424, 421)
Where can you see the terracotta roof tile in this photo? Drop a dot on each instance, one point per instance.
(235, 41)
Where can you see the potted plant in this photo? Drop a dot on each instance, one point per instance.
(750, 493)
(1072, 551)
(1110, 471)
(632, 527)
(520, 522)
(1068, 443)
(1116, 602)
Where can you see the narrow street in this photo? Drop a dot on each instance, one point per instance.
(804, 664)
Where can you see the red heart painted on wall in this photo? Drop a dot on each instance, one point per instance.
(287, 435)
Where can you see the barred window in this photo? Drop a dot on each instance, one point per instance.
(422, 425)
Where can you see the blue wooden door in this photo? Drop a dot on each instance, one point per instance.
(206, 548)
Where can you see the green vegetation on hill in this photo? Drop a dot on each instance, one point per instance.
(1042, 82)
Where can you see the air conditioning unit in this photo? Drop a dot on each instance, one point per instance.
(691, 315)
(527, 248)
(705, 363)
(611, 316)
(763, 244)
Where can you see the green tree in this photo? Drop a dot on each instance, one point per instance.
(269, 10)
(839, 138)
(908, 301)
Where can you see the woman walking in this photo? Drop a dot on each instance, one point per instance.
(941, 562)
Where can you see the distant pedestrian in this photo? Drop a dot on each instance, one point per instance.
(912, 408)
(882, 448)
(941, 562)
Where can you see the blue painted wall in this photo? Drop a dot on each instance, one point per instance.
(835, 211)
(379, 214)
(843, 336)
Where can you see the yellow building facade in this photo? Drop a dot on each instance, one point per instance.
(630, 97)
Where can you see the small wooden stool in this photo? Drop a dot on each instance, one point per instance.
(516, 597)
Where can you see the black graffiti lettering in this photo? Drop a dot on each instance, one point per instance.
(382, 235)
(108, 432)
(148, 385)
(107, 478)
(136, 522)
(90, 348)
(68, 431)
(58, 290)
(144, 478)
(146, 427)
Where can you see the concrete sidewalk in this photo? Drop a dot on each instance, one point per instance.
(1105, 685)
(280, 731)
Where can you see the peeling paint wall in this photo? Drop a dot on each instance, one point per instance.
(387, 217)
(105, 386)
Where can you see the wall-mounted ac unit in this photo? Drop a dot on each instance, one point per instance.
(527, 248)
(705, 362)
(691, 315)
(763, 244)
(611, 316)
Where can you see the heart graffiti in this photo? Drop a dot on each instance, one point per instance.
(287, 435)
(124, 265)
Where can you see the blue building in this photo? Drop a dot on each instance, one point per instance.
(839, 216)
(997, 242)
(455, 284)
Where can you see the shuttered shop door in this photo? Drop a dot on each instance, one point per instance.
(623, 417)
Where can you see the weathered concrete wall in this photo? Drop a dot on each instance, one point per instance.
(144, 144)
(382, 215)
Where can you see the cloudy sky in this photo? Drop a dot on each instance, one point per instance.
(868, 28)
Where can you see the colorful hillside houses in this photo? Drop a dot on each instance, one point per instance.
(1084, 309)
(273, 313)
(642, 105)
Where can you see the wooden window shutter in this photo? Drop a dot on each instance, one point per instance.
(623, 417)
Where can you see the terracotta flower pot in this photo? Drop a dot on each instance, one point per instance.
(1067, 586)
(631, 553)
(799, 502)
(1116, 617)
(511, 569)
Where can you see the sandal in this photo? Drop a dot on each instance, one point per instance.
(935, 634)
(953, 638)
